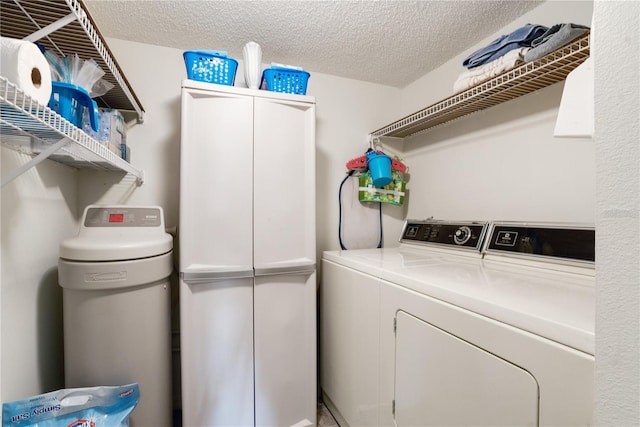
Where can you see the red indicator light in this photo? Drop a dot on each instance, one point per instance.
(116, 217)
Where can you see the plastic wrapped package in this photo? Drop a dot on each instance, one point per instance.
(74, 407)
(111, 130)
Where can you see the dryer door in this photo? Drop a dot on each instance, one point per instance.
(442, 380)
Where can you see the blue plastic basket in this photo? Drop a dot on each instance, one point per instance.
(287, 80)
(210, 66)
(70, 101)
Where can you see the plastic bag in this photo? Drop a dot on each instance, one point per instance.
(75, 407)
(59, 71)
(86, 74)
(100, 88)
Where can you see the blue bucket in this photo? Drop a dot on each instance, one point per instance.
(380, 167)
(70, 101)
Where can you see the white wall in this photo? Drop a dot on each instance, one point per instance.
(502, 163)
(155, 73)
(38, 209)
(347, 111)
(616, 56)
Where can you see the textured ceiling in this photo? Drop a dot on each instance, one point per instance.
(390, 42)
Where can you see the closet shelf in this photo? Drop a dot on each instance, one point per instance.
(32, 128)
(65, 27)
(514, 83)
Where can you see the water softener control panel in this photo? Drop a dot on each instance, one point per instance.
(118, 232)
(123, 217)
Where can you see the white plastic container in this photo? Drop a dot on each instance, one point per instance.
(252, 55)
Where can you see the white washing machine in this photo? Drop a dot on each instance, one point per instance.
(501, 334)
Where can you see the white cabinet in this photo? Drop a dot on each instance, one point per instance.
(216, 163)
(216, 351)
(216, 262)
(247, 257)
(284, 185)
(284, 256)
(285, 349)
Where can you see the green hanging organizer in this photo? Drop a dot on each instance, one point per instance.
(392, 193)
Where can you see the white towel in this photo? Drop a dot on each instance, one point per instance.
(483, 73)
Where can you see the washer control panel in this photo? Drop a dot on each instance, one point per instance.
(562, 242)
(462, 235)
(467, 235)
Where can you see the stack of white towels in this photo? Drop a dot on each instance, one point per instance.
(487, 71)
(526, 44)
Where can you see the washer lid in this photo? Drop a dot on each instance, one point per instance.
(118, 233)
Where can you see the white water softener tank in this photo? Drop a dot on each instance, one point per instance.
(117, 306)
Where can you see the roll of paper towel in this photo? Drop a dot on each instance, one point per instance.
(24, 65)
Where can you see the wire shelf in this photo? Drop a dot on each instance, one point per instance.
(511, 84)
(30, 127)
(74, 32)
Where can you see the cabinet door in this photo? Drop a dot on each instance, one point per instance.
(216, 182)
(216, 350)
(285, 349)
(442, 380)
(284, 184)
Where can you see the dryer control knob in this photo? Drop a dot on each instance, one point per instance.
(462, 235)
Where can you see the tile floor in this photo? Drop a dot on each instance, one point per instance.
(325, 419)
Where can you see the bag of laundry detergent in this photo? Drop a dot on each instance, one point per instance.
(75, 407)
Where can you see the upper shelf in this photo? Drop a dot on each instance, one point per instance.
(519, 81)
(33, 128)
(66, 27)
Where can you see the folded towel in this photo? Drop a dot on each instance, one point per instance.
(522, 37)
(553, 39)
(480, 74)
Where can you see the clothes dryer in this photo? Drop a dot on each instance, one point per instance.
(504, 339)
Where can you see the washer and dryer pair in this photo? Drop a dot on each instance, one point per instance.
(462, 324)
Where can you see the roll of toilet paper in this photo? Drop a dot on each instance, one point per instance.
(24, 65)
